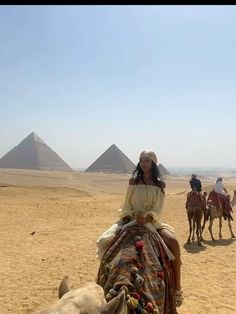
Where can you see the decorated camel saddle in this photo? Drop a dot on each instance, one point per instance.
(195, 198)
(220, 201)
(138, 263)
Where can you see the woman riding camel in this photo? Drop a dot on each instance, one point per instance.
(143, 205)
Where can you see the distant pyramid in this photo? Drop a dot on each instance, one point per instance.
(112, 160)
(33, 153)
(163, 170)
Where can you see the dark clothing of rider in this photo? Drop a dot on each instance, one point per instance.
(196, 184)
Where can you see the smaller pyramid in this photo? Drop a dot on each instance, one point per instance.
(33, 153)
(113, 160)
(163, 170)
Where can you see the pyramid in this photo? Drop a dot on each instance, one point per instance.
(163, 170)
(33, 153)
(113, 160)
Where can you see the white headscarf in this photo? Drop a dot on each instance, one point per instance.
(150, 154)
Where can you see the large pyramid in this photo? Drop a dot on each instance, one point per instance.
(33, 153)
(112, 160)
(163, 170)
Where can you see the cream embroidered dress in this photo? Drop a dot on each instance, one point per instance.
(139, 199)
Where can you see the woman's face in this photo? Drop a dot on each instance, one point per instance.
(145, 164)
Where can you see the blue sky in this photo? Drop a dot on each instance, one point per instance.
(155, 77)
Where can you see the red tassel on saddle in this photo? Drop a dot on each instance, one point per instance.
(160, 275)
(149, 307)
(139, 245)
(136, 295)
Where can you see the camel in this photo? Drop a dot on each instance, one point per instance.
(135, 276)
(217, 212)
(86, 300)
(195, 210)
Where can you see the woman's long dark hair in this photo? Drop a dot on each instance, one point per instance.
(156, 176)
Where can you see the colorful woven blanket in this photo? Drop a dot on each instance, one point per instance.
(137, 261)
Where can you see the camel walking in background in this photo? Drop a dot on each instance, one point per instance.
(217, 211)
(195, 209)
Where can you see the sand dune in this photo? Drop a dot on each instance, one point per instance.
(49, 222)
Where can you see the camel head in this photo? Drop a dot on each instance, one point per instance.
(86, 300)
(233, 201)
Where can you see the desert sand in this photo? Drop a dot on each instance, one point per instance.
(49, 222)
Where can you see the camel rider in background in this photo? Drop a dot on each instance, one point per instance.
(196, 185)
(219, 187)
(224, 197)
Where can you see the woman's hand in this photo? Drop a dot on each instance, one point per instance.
(143, 219)
(140, 219)
(126, 219)
(148, 218)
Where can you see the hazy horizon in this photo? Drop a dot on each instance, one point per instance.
(141, 77)
(207, 172)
